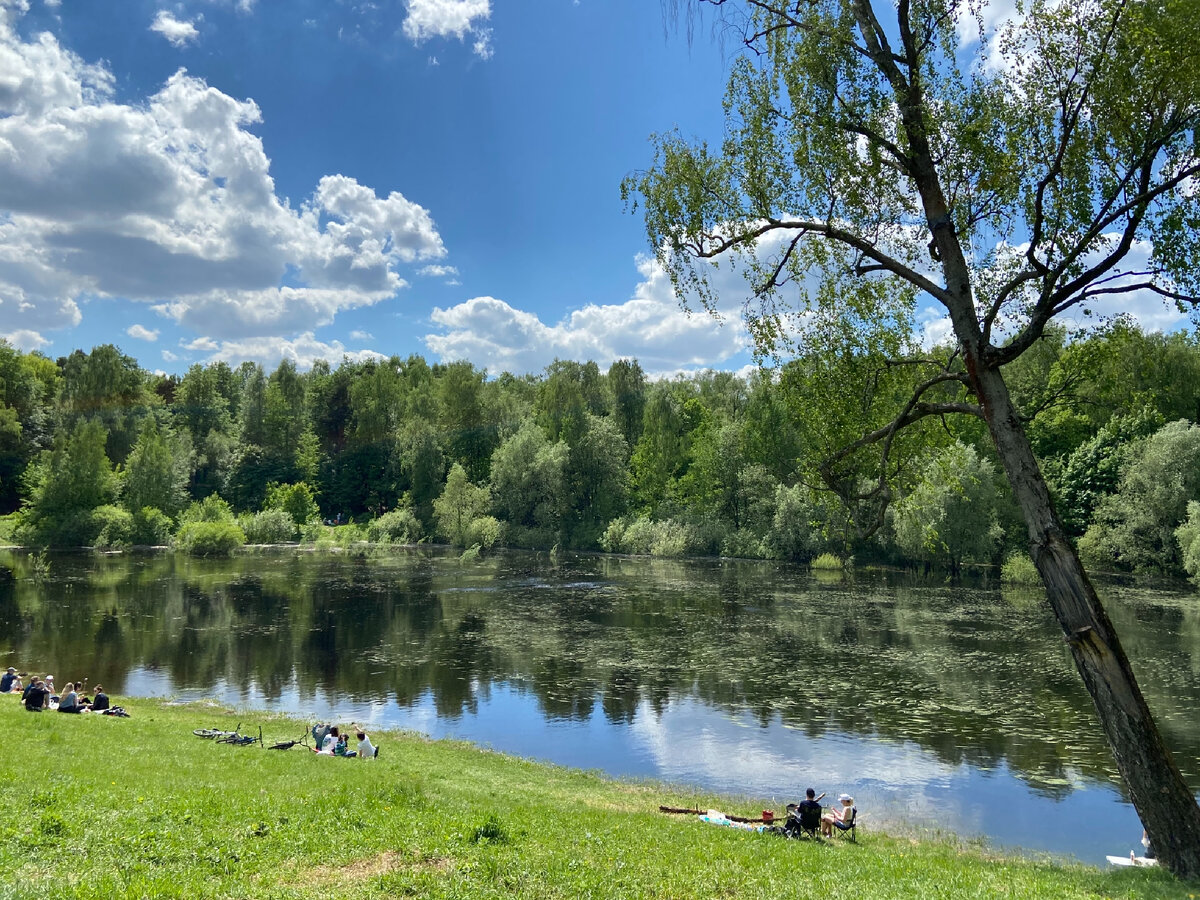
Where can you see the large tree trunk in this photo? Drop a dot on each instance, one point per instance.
(1161, 797)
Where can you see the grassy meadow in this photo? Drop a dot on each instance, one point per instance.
(96, 806)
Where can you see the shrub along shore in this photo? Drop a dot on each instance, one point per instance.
(106, 807)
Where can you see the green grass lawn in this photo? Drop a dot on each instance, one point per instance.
(95, 806)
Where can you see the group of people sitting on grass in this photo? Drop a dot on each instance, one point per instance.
(40, 695)
(809, 817)
(329, 740)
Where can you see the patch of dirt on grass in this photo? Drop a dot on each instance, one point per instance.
(373, 866)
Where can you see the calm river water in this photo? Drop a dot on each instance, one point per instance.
(935, 706)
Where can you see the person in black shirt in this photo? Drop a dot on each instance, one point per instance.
(809, 803)
(9, 681)
(808, 811)
(35, 695)
(100, 701)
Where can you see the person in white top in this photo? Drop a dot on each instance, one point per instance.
(366, 750)
(330, 741)
(837, 816)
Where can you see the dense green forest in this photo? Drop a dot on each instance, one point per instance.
(96, 451)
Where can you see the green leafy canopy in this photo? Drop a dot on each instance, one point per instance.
(861, 137)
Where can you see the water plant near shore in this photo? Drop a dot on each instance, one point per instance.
(827, 562)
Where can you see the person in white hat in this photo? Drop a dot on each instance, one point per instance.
(10, 681)
(839, 815)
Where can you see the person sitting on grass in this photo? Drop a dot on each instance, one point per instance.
(837, 816)
(35, 695)
(366, 750)
(100, 701)
(328, 743)
(70, 700)
(10, 682)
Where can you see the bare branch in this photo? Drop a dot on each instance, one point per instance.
(914, 411)
(710, 246)
(1152, 286)
(1054, 300)
(774, 281)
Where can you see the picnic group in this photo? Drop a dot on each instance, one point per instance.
(39, 694)
(806, 818)
(331, 740)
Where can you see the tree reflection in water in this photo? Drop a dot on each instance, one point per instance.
(971, 675)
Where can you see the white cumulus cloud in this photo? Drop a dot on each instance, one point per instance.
(438, 271)
(142, 333)
(450, 18)
(179, 32)
(26, 340)
(303, 350)
(170, 201)
(482, 46)
(650, 326)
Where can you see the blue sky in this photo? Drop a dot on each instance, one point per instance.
(232, 179)
(243, 179)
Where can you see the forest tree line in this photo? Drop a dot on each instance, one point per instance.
(96, 451)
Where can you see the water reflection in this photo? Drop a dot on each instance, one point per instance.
(951, 707)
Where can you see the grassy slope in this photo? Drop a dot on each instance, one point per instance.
(95, 806)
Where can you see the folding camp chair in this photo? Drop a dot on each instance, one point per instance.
(803, 822)
(848, 828)
(809, 821)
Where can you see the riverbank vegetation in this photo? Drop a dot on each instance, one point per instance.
(102, 807)
(98, 452)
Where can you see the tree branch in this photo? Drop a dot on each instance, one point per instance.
(1152, 286)
(710, 246)
(914, 411)
(786, 21)
(1055, 300)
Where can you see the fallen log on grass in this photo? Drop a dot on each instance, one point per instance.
(684, 811)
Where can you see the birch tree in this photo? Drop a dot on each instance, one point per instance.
(879, 155)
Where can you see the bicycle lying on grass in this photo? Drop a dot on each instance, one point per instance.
(241, 740)
(288, 745)
(229, 737)
(218, 736)
(212, 733)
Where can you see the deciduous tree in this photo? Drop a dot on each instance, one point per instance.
(627, 384)
(873, 156)
(1134, 528)
(597, 478)
(157, 471)
(107, 386)
(529, 479)
(460, 504)
(950, 516)
(67, 484)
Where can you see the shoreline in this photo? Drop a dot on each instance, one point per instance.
(146, 808)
